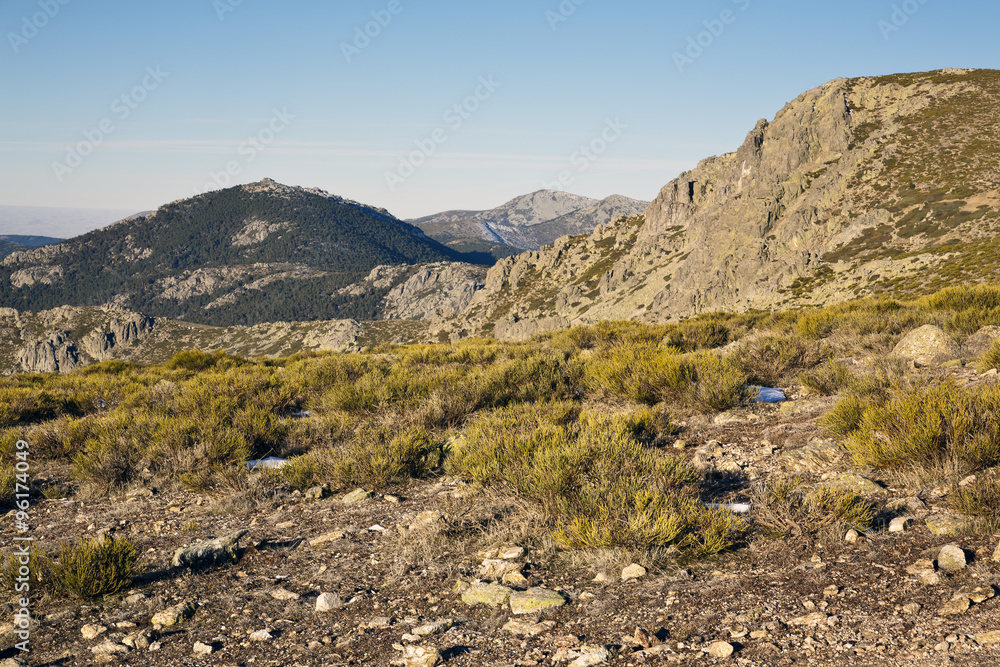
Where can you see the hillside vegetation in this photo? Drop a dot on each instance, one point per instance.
(578, 423)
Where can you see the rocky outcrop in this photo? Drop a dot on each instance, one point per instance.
(837, 197)
(56, 354)
(434, 291)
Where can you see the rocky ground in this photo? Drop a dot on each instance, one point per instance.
(436, 571)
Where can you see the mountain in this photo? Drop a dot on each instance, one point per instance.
(526, 222)
(10, 243)
(255, 253)
(881, 185)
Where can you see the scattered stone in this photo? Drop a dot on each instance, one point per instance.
(854, 483)
(512, 553)
(852, 536)
(527, 629)
(720, 650)
(285, 525)
(814, 619)
(134, 599)
(975, 594)
(203, 554)
(357, 496)
(201, 648)
(317, 493)
(900, 524)
(831, 591)
(988, 638)
(924, 571)
(92, 631)
(327, 539)
(174, 615)
(951, 558)
(497, 570)
(928, 346)
(535, 600)
(912, 609)
(955, 607)
(944, 524)
(633, 571)
(421, 656)
(591, 657)
(436, 628)
(328, 602)
(996, 554)
(110, 648)
(493, 595)
(284, 594)
(140, 640)
(14, 662)
(261, 636)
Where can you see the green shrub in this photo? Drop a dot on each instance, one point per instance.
(770, 359)
(94, 568)
(827, 379)
(721, 383)
(785, 506)
(642, 373)
(597, 484)
(931, 427)
(845, 417)
(990, 358)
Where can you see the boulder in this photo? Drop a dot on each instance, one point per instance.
(980, 342)
(951, 558)
(535, 600)
(488, 594)
(928, 346)
(174, 615)
(212, 552)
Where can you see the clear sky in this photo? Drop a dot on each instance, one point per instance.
(129, 104)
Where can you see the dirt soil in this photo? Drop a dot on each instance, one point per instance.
(395, 561)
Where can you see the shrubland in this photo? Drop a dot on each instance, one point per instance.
(575, 424)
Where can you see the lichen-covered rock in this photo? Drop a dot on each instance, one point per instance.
(951, 558)
(928, 346)
(489, 594)
(535, 600)
(356, 496)
(203, 554)
(174, 615)
(944, 524)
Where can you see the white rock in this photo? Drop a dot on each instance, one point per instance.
(261, 636)
(633, 571)
(201, 648)
(92, 631)
(328, 602)
(900, 524)
(721, 650)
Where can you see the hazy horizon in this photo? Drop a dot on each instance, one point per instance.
(420, 109)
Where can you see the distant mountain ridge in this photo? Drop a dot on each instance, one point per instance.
(11, 243)
(255, 253)
(527, 222)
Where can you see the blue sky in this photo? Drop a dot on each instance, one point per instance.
(130, 104)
